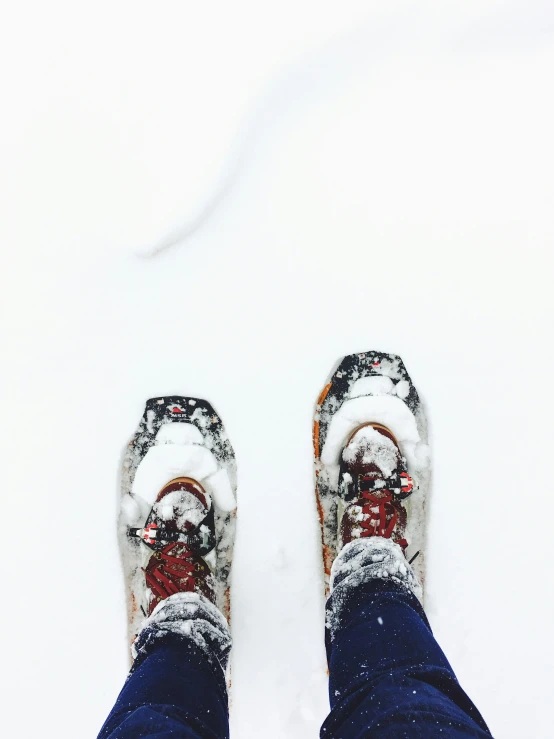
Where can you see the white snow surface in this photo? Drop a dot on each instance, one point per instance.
(387, 172)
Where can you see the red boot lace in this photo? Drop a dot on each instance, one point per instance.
(161, 580)
(380, 515)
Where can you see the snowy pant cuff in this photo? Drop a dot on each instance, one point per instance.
(371, 558)
(362, 562)
(189, 617)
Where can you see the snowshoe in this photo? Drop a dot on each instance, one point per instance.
(372, 466)
(178, 507)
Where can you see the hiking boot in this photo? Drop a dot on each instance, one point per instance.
(180, 532)
(375, 480)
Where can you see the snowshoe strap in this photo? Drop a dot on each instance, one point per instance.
(400, 484)
(155, 533)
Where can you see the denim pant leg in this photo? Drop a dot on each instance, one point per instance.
(177, 686)
(173, 692)
(388, 676)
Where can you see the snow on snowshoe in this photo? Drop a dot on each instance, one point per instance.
(372, 465)
(178, 507)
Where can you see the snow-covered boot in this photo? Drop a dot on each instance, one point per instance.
(180, 532)
(374, 482)
(177, 519)
(371, 463)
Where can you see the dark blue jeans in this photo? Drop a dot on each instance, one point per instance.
(388, 679)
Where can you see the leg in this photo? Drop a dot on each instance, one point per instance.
(177, 685)
(388, 676)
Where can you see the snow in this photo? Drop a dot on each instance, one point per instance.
(383, 175)
(371, 447)
(385, 409)
(179, 451)
(182, 506)
(164, 463)
(221, 489)
(371, 385)
(179, 433)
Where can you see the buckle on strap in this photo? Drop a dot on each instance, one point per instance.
(154, 534)
(400, 484)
